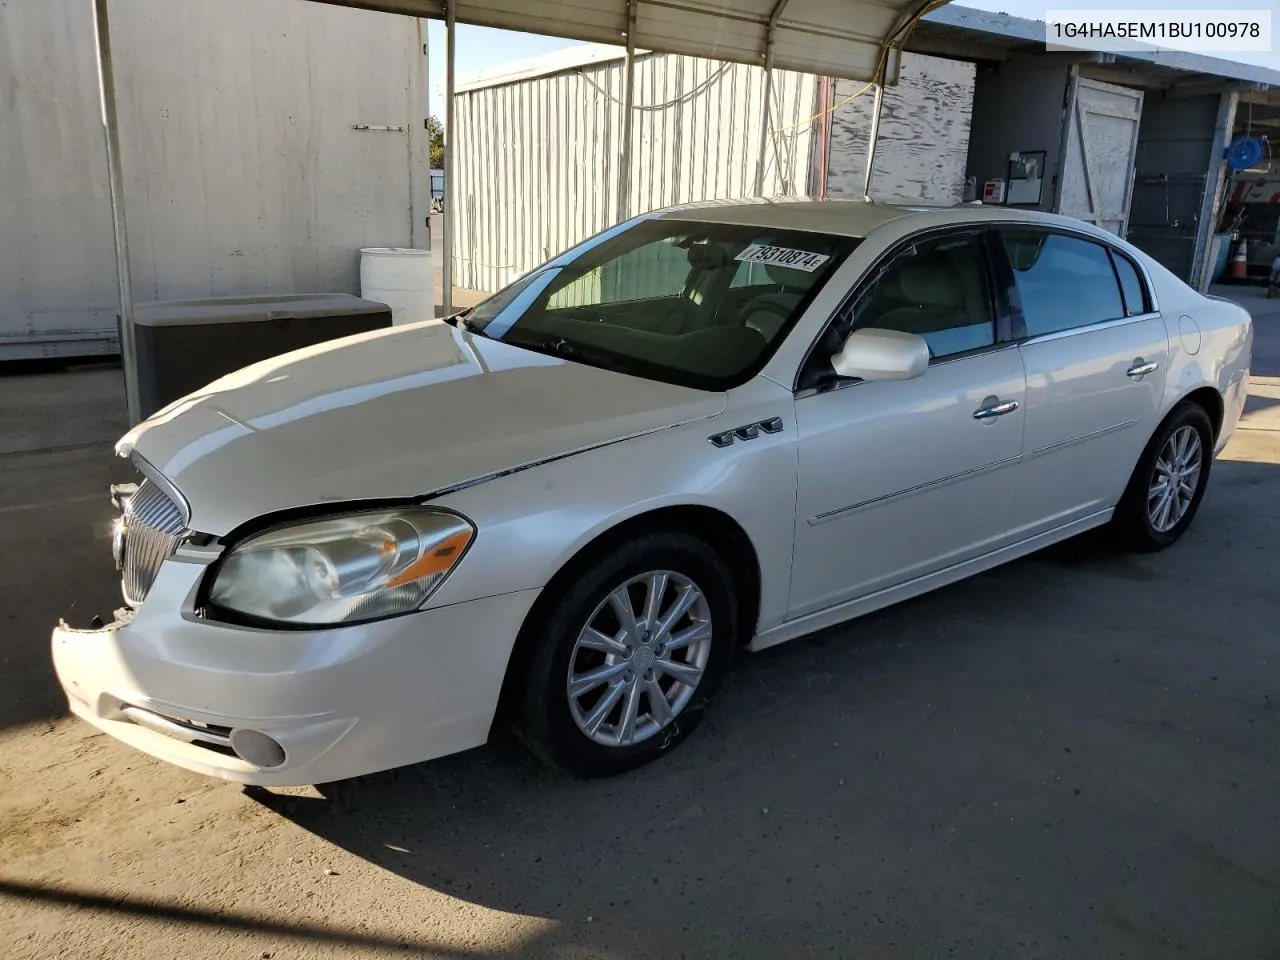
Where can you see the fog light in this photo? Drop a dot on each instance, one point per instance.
(256, 748)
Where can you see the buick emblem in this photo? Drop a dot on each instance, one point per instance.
(119, 527)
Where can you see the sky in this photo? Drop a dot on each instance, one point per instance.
(480, 48)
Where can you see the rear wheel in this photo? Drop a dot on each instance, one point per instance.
(1169, 481)
(627, 659)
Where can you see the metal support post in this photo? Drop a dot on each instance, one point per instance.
(764, 121)
(824, 137)
(770, 31)
(628, 98)
(1211, 202)
(115, 184)
(874, 134)
(450, 168)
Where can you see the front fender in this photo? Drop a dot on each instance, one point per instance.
(531, 523)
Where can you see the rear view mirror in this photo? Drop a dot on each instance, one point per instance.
(873, 354)
(707, 256)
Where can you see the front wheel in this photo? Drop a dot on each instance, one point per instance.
(627, 658)
(1169, 481)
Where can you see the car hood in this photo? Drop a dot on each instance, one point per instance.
(397, 413)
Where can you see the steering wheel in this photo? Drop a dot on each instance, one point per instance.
(765, 303)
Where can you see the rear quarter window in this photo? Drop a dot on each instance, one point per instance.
(1136, 301)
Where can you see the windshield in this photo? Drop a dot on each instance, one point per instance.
(698, 304)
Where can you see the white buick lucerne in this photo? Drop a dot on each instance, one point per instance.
(707, 428)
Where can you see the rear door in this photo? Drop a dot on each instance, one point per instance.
(1096, 355)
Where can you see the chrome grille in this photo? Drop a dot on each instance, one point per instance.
(152, 526)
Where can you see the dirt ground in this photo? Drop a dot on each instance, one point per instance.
(1077, 755)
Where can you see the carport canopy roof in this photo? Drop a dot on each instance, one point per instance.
(837, 38)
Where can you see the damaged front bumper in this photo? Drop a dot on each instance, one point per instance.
(288, 707)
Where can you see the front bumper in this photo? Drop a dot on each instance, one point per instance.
(339, 702)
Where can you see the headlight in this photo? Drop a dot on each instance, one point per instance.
(347, 569)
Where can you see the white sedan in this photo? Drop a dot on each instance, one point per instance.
(709, 428)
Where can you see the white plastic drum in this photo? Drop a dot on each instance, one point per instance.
(400, 277)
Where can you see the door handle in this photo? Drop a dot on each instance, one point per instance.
(1141, 368)
(995, 408)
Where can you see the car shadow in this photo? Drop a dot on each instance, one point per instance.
(974, 770)
(994, 768)
(1041, 761)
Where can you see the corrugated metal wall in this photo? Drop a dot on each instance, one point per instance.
(923, 146)
(243, 173)
(537, 159)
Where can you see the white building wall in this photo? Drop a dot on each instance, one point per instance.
(923, 145)
(243, 173)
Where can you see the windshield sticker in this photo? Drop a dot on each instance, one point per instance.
(783, 257)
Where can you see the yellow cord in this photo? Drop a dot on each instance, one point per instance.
(880, 62)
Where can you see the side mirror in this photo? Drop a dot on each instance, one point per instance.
(873, 354)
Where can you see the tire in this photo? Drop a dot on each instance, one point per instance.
(557, 725)
(1138, 520)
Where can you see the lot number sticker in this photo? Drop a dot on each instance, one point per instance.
(783, 257)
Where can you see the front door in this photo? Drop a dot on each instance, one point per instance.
(898, 479)
(1096, 356)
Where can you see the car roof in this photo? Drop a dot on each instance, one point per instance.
(844, 217)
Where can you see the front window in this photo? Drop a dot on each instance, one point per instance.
(938, 290)
(698, 304)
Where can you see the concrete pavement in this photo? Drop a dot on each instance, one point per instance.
(1077, 755)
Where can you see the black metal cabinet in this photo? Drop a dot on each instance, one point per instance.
(182, 345)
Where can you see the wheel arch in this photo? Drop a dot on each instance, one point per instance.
(1131, 516)
(1209, 399)
(720, 530)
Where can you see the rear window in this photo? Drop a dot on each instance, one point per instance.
(698, 304)
(1062, 282)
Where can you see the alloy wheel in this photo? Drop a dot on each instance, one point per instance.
(1174, 479)
(638, 659)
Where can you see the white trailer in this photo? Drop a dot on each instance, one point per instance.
(264, 143)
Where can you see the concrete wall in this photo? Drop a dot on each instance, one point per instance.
(243, 174)
(923, 143)
(1175, 140)
(1018, 105)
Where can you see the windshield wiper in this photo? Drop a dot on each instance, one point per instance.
(459, 320)
(561, 347)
